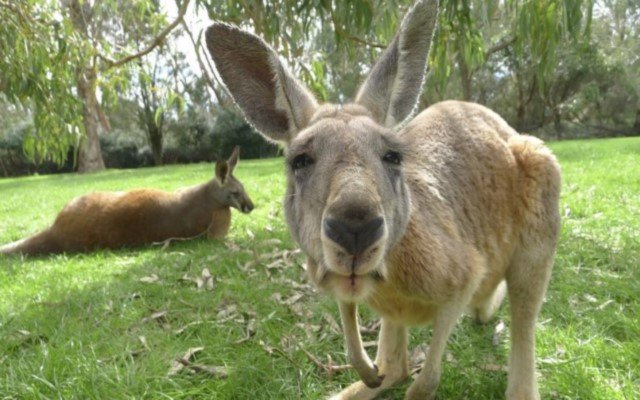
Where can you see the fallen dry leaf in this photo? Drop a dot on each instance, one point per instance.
(250, 328)
(153, 278)
(371, 328)
(218, 372)
(205, 281)
(497, 332)
(328, 368)
(177, 365)
(494, 367)
(333, 325)
(160, 316)
(187, 326)
(227, 313)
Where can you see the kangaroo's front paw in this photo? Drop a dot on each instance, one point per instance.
(369, 376)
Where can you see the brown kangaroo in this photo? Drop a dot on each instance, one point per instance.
(419, 220)
(127, 219)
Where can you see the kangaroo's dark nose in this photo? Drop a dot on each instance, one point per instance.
(354, 235)
(247, 207)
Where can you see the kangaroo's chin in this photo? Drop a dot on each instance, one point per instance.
(352, 288)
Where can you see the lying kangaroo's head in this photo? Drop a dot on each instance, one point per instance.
(347, 203)
(227, 190)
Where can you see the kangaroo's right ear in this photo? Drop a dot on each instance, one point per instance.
(271, 98)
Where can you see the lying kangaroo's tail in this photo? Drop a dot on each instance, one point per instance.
(40, 243)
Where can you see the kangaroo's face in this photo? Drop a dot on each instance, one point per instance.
(347, 203)
(229, 191)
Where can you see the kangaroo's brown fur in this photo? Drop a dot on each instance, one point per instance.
(128, 219)
(420, 221)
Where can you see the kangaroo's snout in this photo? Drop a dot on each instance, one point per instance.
(246, 206)
(353, 234)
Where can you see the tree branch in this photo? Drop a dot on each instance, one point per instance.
(500, 46)
(341, 32)
(111, 63)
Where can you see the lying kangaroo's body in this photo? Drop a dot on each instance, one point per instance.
(420, 221)
(129, 219)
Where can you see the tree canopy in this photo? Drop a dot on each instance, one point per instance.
(556, 68)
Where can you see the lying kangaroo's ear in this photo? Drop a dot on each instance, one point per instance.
(222, 171)
(233, 158)
(392, 88)
(271, 98)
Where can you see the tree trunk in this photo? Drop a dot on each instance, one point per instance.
(89, 154)
(465, 78)
(635, 130)
(557, 121)
(155, 137)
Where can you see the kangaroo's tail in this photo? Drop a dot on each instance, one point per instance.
(40, 243)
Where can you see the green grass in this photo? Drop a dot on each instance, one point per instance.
(73, 326)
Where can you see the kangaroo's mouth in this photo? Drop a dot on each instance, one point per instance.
(349, 287)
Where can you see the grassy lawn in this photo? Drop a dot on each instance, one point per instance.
(109, 325)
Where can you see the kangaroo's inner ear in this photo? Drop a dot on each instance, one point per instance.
(394, 84)
(271, 98)
(222, 171)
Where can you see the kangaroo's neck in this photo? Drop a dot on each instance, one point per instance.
(199, 198)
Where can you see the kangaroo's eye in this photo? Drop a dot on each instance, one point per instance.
(301, 161)
(392, 157)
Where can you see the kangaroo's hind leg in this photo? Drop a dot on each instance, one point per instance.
(527, 281)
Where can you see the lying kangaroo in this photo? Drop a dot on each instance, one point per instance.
(119, 219)
(421, 222)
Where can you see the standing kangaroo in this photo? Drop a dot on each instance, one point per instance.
(421, 222)
(118, 219)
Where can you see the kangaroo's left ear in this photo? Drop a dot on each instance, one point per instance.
(392, 88)
(233, 158)
(222, 171)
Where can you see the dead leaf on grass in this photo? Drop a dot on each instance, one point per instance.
(205, 280)
(153, 278)
(187, 326)
(494, 367)
(177, 366)
(497, 332)
(143, 340)
(232, 246)
(227, 312)
(371, 328)
(250, 328)
(218, 372)
(160, 317)
(416, 358)
(333, 325)
(328, 368)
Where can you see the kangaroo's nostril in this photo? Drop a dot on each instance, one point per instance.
(354, 236)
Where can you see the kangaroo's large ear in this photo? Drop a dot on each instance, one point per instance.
(233, 158)
(271, 98)
(222, 171)
(392, 88)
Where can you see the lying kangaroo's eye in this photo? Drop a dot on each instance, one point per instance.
(392, 157)
(301, 161)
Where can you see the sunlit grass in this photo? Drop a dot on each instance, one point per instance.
(73, 326)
